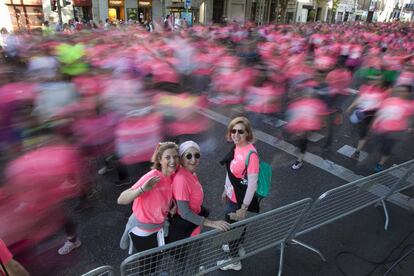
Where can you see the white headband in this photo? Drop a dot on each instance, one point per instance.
(186, 145)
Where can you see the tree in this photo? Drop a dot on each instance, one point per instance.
(335, 4)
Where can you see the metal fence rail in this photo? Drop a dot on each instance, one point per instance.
(405, 174)
(200, 255)
(352, 197)
(105, 270)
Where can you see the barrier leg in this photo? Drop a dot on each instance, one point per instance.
(309, 248)
(387, 217)
(282, 253)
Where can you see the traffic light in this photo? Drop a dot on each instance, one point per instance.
(53, 5)
(65, 3)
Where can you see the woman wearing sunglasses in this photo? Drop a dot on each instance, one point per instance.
(241, 182)
(188, 193)
(152, 199)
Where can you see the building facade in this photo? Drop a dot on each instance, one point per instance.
(30, 14)
(21, 14)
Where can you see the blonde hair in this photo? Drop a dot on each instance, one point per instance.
(156, 156)
(245, 122)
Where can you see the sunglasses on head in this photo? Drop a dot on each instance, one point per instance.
(240, 131)
(189, 156)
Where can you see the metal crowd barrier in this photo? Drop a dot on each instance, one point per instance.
(105, 270)
(352, 197)
(200, 255)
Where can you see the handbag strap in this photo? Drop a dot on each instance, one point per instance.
(247, 161)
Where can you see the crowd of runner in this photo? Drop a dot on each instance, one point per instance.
(72, 100)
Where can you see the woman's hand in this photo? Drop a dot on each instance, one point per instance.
(217, 224)
(150, 183)
(241, 214)
(129, 195)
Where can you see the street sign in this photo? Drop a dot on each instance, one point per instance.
(187, 4)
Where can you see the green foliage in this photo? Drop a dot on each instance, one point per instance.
(335, 4)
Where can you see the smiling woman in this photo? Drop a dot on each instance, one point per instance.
(188, 193)
(152, 198)
(241, 180)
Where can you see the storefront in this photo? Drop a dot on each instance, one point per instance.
(25, 14)
(82, 9)
(178, 12)
(116, 10)
(139, 10)
(144, 10)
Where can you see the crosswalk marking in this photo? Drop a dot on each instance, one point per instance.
(348, 151)
(315, 137)
(317, 161)
(273, 121)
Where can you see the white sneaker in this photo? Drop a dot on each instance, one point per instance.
(234, 266)
(226, 248)
(69, 246)
(297, 165)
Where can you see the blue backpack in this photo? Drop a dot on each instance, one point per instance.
(264, 180)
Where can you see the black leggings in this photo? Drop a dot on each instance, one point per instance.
(149, 264)
(303, 144)
(363, 127)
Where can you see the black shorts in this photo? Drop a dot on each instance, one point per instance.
(363, 126)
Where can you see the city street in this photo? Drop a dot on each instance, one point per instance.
(361, 235)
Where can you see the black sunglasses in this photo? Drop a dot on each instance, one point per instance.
(189, 156)
(240, 131)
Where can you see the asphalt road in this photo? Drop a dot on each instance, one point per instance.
(361, 235)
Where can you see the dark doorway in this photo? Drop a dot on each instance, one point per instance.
(218, 7)
(370, 16)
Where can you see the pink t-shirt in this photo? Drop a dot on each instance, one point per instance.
(305, 115)
(153, 206)
(393, 115)
(5, 254)
(238, 165)
(186, 187)
(371, 97)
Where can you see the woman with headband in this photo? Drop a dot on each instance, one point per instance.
(188, 193)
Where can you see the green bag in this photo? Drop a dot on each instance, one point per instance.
(264, 180)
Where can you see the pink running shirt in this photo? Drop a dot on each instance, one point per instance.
(393, 115)
(305, 115)
(153, 206)
(371, 97)
(238, 165)
(186, 187)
